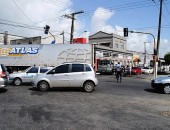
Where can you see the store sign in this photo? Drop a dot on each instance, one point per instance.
(18, 50)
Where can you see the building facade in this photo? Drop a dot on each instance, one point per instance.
(5, 38)
(141, 59)
(112, 47)
(10, 39)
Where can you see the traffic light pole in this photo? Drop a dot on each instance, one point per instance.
(52, 36)
(155, 56)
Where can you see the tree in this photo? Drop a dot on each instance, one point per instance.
(167, 58)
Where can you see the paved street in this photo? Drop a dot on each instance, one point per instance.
(130, 105)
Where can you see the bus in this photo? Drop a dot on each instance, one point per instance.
(106, 66)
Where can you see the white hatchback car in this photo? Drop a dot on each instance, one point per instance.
(28, 75)
(147, 70)
(68, 75)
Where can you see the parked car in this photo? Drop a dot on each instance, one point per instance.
(3, 76)
(68, 75)
(136, 70)
(161, 84)
(147, 70)
(28, 75)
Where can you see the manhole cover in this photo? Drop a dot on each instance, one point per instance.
(165, 113)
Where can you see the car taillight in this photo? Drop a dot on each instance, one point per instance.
(3, 75)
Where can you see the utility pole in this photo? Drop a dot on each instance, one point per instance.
(63, 36)
(5, 37)
(72, 16)
(156, 53)
(159, 28)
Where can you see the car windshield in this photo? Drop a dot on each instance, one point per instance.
(135, 68)
(145, 67)
(104, 62)
(27, 69)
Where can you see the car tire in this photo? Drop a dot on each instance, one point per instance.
(88, 86)
(166, 89)
(17, 81)
(43, 86)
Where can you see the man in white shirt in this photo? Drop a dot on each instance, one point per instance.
(118, 72)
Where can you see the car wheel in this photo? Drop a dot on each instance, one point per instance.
(17, 81)
(43, 86)
(166, 89)
(89, 87)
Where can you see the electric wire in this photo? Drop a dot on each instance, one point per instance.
(117, 8)
(166, 8)
(163, 15)
(22, 11)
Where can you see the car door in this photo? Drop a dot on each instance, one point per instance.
(59, 76)
(29, 75)
(77, 75)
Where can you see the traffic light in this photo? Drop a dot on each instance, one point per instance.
(46, 29)
(125, 30)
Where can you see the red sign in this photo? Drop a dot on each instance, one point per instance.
(79, 41)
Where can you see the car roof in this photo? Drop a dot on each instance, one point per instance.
(75, 63)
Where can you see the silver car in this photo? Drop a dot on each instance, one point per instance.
(28, 75)
(3, 76)
(68, 75)
(161, 83)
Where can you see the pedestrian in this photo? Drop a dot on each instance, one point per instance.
(118, 72)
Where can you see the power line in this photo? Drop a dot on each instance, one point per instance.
(166, 8)
(22, 11)
(72, 17)
(121, 7)
(118, 8)
(163, 15)
(22, 26)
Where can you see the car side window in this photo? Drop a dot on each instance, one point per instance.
(88, 68)
(33, 70)
(77, 68)
(62, 69)
(43, 70)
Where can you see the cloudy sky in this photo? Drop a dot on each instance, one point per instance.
(28, 17)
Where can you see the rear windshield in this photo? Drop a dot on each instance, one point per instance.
(135, 67)
(88, 68)
(145, 67)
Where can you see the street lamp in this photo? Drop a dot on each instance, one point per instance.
(94, 55)
(145, 53)
(81, 34)
(63, 36)
(155, 56)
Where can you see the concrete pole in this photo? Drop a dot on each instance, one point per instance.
(5, 37)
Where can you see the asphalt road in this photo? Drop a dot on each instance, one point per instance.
(130, 105)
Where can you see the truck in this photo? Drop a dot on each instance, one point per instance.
(20, 57)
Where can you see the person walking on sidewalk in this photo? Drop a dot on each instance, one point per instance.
(118, 72)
